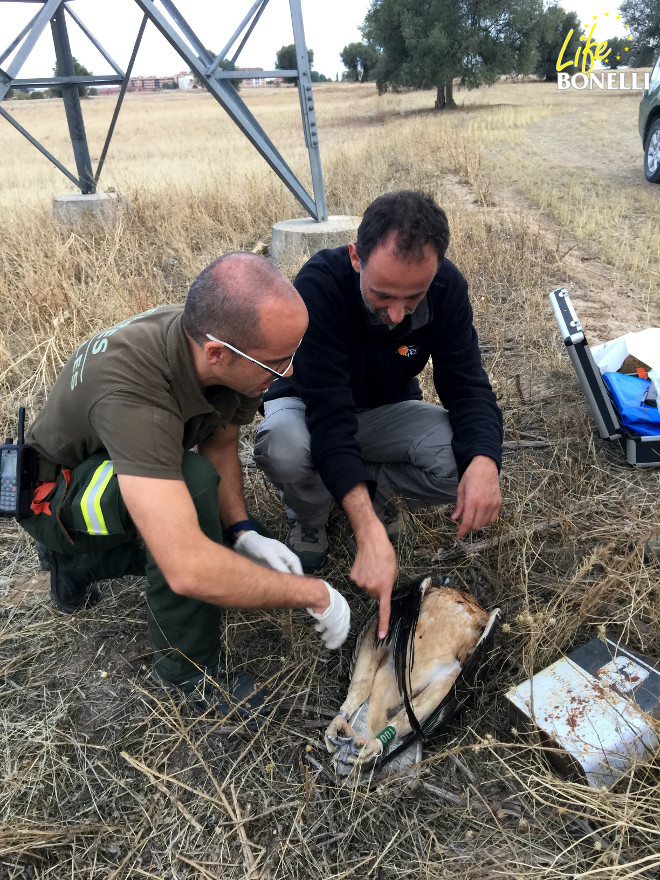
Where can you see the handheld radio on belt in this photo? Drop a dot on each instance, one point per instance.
(18, 473)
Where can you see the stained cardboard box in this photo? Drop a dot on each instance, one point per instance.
(594, 709)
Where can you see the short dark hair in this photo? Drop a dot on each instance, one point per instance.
(414, 218)
(225, 297)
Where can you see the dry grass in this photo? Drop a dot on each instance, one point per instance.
(102, 776)
(578, 158)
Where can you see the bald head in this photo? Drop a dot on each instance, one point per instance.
(228, 297)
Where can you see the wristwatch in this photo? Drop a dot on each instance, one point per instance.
(243, 525)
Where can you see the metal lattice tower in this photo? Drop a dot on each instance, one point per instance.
(214, 73)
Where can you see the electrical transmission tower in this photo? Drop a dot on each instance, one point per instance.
(213, 72)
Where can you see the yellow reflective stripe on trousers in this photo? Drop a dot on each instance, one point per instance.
(91, 500)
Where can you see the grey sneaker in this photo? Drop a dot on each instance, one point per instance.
(309, 544)
(652, 549)
(396, 521)
(223, 694)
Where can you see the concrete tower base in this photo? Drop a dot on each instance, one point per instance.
(74, 207)
(294, 241)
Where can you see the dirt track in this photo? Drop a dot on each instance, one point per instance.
(607, 301)
(576, 147)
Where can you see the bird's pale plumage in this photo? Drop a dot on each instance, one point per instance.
(407, 677)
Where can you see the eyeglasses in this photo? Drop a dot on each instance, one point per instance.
(276, 373)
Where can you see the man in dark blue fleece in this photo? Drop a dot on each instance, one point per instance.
(350, 424)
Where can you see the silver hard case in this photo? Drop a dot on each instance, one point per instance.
(638, 450)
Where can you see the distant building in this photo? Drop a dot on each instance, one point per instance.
(185, 81)
(253, 80)
(150, 83)
(258, 80)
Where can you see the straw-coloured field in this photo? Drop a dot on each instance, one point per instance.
(104, 776)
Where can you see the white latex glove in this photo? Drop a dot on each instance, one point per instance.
(335, 622)
(268, 551)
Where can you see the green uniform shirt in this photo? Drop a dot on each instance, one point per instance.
(133, 391)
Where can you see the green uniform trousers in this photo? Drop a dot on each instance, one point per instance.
(88, 520)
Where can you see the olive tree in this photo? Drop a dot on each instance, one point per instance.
(428, 44)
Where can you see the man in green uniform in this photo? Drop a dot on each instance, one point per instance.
(121, 491)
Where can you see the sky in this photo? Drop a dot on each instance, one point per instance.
(329, 26)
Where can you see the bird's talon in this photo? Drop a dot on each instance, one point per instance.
(338, 733)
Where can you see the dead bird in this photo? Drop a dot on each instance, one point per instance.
(406, 681)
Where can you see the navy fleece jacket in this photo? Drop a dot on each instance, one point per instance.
(347, 363)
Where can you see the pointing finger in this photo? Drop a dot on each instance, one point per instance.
(383, 615)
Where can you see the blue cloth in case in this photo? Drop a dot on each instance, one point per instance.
(628, 393)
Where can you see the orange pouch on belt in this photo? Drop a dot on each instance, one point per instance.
(40, 504)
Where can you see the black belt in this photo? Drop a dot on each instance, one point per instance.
(47, 470)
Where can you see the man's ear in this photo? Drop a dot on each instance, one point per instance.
(353, 254)
(216, 354)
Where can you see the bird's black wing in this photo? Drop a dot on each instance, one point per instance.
(404, 614)
(464, 684)
(459, 693)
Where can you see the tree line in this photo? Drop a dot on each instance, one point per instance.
(429, 44)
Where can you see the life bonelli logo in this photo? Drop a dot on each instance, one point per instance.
(575, 69)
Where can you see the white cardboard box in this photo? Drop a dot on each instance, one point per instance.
(595, 710)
